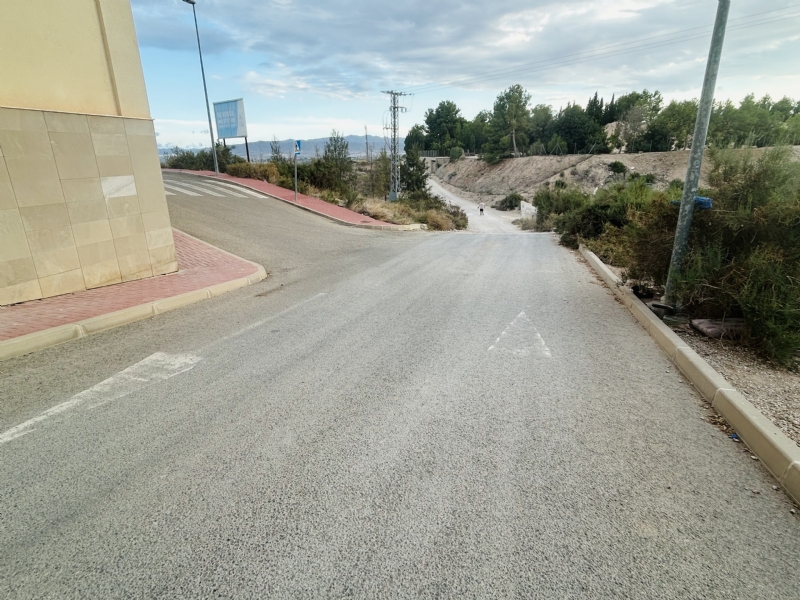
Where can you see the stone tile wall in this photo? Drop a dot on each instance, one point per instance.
(82, 204)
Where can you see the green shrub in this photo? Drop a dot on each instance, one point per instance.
(456, 154)
(743, 255)
(202, 160)
(510, 202)
(617, 167)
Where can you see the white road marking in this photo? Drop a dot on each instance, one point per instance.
(157, 367)
(521, 338)
(239, 189)
(215, 186)
(172, 186)
(203, 189)
(168, 193)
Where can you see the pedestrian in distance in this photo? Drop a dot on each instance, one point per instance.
(481, 207)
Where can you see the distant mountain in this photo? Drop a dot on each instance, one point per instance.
(262, 151)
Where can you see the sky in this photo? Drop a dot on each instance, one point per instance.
(306, 67)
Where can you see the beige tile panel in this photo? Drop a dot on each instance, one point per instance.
(25, 144)
(13, 242)
(131, 245)
(62, 283)
(119, 186)
(74, 154)
(49, 240)
(106, 125)
(162, 258)
(57, 261)
(35, 181)
(100, 274)
(66, 122)
(7, 198)
(99, 252)
(139, 127)
(165, 268)
(13, 119)
(110, 144)
(92, 233)
(19, 270)
(46, 216)
(144, 152)
(85, 212)
(123, 207)
(156, 220)
(22, 292)
(82, 190)
(126, 226)
(114, 166)
(159, 238)
(135, 266)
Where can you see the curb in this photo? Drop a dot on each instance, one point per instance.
(776, 451)
(54, 336)
(412, 227)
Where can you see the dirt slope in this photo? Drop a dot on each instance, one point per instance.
(587, 171)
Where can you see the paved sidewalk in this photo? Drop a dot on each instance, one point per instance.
(316, 205)
(201, 265)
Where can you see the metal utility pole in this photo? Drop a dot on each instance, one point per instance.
(205, 89)
(696, 154)
(394, 148)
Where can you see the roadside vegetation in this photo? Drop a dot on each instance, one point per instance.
(743, 258)
(333, 176)
(202, 160)
(634, 122)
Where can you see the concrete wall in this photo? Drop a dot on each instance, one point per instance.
(82, 202)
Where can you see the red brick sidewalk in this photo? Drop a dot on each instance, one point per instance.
(200, 266)
(308, 202)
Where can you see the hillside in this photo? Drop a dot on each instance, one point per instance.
(587, 171)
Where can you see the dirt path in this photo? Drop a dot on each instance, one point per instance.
(492, 221)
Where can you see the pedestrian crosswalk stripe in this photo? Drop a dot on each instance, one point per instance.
(179, 189)
(220, 189)
(239, 189)
(203, 189)
(169, 193)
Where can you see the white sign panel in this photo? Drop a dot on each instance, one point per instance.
(231, 122)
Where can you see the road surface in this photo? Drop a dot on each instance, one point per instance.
(492, 221)
(388, 415)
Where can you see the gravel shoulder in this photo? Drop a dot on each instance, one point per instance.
(772, 390)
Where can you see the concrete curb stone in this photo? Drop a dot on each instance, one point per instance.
(776, 451)
(54, 336)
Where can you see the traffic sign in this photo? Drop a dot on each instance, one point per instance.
(297, 148)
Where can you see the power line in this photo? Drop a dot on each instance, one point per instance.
(599, 53)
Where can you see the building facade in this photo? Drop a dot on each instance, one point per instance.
(82, 202)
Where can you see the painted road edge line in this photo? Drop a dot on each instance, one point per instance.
(39, 340)
(776, 451)
(412, 227)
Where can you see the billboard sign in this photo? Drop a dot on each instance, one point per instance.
(231, 122)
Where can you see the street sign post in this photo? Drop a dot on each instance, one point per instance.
(296, 154)
(231, 121)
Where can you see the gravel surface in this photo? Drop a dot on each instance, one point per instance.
(774, 391)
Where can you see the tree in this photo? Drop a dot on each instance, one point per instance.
(443, 126)
(413, 173)
(415, 139)
(594, 109)
(579, 131)
(510, 119)
(335, 167)
(383, 173)
(540, 122)
(277, 156)
(474, 133)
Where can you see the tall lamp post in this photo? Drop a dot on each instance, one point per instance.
(205, 89)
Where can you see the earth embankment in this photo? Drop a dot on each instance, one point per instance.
(587, 171)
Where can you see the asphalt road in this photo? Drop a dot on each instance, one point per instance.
(388, 415)
(492, 221)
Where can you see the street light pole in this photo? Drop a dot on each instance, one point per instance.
(696, 155)
(205, 89)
